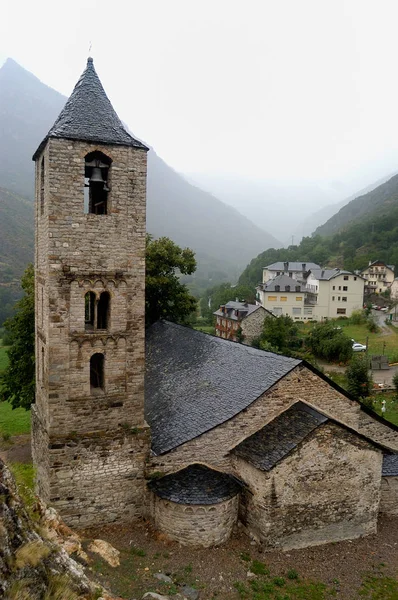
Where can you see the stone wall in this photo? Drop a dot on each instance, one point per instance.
(389, 496)
(252, 325)
(88, 460)
(326, 490)
(301, 384)
(195, 525)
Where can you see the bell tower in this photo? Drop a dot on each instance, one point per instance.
(90, 440)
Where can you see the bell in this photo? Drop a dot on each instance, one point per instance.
(96, 176)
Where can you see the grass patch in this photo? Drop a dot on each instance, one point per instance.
(379, 588)
(391, 413)
(24, 476)
(378, 343)
(31, 554)
(205, 328)
(13, 422)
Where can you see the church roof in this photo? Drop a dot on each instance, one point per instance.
(197, 484)
(89, 116)
(196, 381)
(265, 448)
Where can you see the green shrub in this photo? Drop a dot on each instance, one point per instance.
(395, 382)
(358, 380)
(358, 317)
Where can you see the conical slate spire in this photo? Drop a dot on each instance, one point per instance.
(89, 116)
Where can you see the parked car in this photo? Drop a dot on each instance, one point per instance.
(358, 347)
(384, 309)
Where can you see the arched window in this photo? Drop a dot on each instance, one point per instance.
(103, 311)
(97, 371)
(96, 179)
(42, 186)
(89, 310)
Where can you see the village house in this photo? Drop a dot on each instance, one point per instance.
(378, 277)
(295, 270)
(240, 321)
(335, 293)
(325, 294)
(192, 431)
(283, 295)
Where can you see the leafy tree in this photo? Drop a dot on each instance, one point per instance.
(165, 296)
(221, 294)
(358, 380)
(328, 341)
(279, 334)
(17, 384)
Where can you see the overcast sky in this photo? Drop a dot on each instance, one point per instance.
(271, 89)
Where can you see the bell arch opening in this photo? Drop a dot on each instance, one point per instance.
(97, 363)
(103, 310)
(96, 183)
(89, 310)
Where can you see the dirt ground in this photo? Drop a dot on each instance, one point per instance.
(342, 566)
(16, 450)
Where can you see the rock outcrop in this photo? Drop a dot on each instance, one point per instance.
(31, 566)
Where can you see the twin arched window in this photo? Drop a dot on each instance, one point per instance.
(97, 311)
(96, 183)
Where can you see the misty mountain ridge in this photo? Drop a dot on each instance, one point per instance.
(281, 207)
(223, 239)
(375, 200)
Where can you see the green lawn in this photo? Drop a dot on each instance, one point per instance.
(13, 422)
(378, 343)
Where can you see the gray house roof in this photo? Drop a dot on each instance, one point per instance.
(244, 309)
(89, 116)
(327, 274)
(283, 281)
(196, 381)
(292, 266)
(197, 484)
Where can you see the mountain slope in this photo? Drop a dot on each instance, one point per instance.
(16, 247)
(377, 201)
(222, 238)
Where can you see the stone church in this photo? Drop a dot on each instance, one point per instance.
(192, 431)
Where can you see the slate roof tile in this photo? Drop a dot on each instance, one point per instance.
(196, 381)
(292, 266)
(265, 448)
(89, 116)
(197, 484)
(390, 465)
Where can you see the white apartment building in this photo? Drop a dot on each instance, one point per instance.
(327, 294)
(283, 295)
(338, 293)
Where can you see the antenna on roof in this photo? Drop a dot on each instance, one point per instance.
(90, 46)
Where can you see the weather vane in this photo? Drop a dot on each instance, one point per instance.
(89, 48)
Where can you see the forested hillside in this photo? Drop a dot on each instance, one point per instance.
(16, 246)
(372, 237)
(377, 202)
